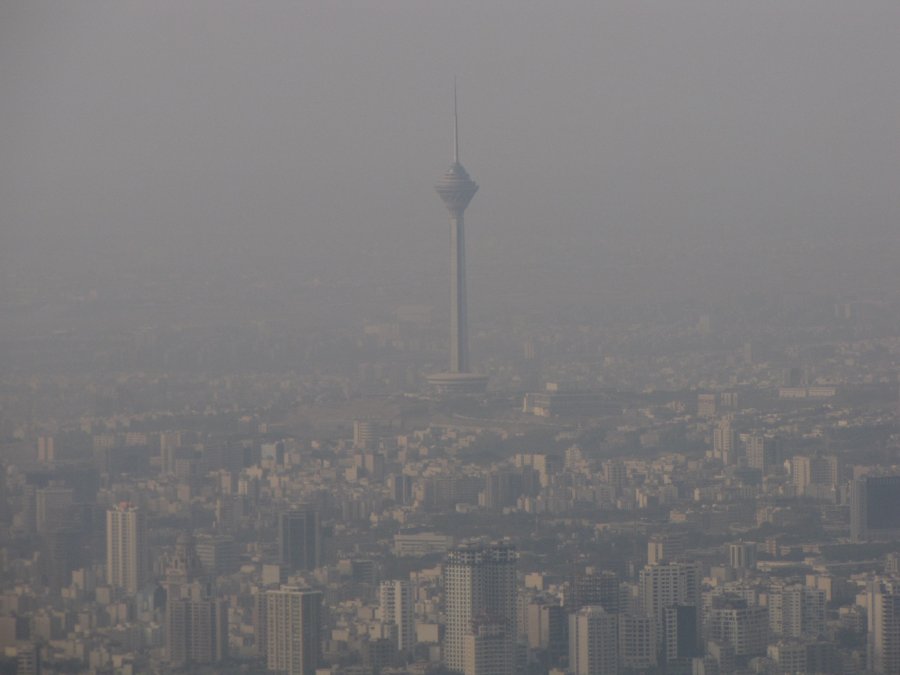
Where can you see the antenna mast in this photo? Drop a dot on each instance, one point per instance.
(455, 147)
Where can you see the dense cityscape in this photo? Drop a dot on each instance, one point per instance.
(715, 508)
(690, 505)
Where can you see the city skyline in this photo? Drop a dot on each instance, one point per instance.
(245, 420)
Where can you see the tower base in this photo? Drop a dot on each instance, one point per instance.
(455, 384)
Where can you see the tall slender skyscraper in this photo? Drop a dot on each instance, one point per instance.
(196, 622)
(456, 190)
(293, 631)
(883, 611)
(395, 600)
(300, 538)
(593, 642)
(480, 608)
(670, 593)
(126, 548)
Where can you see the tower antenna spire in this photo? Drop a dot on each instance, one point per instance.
(455, 147)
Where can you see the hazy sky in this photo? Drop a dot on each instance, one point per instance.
(659, 144)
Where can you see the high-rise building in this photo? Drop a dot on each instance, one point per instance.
(196, 630)
(217, 553)
(796, 611)
(380, 650)
(539, 462)
(183, 566)
(734, 621)
(545, 627)
(725, 441)
(672, 585)
(682, 634)
(169, 447)
(729, 399)
(722, 655)
(637, 642)
(300, 538)
(814, 471)
(883, 611)
(456, 190)
(196, 623)
(593, 642)
(742, 555)
(502, 488)
(63, 553)
(53, 506)
(371, 464)
(46, 450)
(480, 584)
(598, 588)
(401, 487)
(486, 648)
(126, 548)
(28, 659)
(874, 507)
(615, 472)
(365, 433)
(666, 547)
(706, 405)
(806, 656)
(395, 603)
(293, 617)
(260, 618)
(762, 453)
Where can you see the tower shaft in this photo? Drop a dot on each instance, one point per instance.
(459, 329)
(456, 189)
